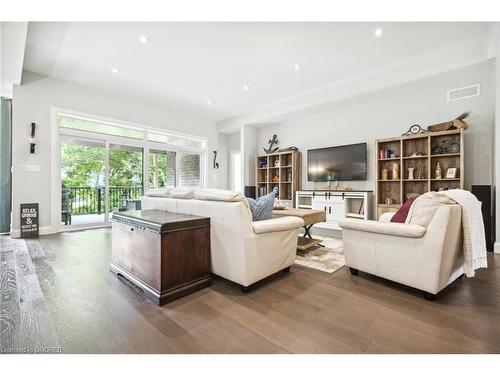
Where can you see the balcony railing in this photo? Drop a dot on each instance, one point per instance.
(88, 200)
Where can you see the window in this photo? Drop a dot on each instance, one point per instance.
(99, 127)
(105, 167)
(161, 168)
(176, 140)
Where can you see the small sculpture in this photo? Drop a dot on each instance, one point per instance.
(395, 171)
(438, 171)
(272, 142)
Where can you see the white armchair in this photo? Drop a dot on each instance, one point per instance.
(423, 257)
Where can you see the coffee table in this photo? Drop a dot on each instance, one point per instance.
(310, 218)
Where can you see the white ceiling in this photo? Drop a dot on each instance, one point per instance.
(187, 64)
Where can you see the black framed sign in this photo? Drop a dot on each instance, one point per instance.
(29, 220)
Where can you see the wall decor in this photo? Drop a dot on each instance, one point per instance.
(288, 149)
(415, 129)
(457, 123)
(32, 140)
(216, 165)
(272, 142)
(29, 220)
(451, 173)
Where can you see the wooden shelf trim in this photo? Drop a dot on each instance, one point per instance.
(445, 155)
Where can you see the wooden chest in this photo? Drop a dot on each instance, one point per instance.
(165, 254)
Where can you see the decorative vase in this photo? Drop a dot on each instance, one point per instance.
(438, 171)
(395, 171)
(384, 174)
(419, 174)
(410, 173)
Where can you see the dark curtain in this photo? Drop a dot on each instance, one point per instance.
(5, 163)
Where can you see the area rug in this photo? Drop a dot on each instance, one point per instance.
(326, 259)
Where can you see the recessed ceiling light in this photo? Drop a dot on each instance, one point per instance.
(143, 39)
(245, 88)
(209, 102)
(296, 67)
(378, 32)
(114, 70)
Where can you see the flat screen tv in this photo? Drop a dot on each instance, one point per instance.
(340, 163)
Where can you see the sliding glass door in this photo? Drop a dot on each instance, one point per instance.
(125, 178)
(82, 182)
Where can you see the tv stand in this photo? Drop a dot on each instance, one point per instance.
(337, 204)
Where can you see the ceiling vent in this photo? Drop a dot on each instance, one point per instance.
(463, 93)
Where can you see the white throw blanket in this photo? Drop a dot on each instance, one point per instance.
(473, 228)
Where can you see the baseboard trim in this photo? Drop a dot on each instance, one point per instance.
(496, 247)
(16, 233)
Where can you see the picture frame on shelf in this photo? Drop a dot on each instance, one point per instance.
(451, 173)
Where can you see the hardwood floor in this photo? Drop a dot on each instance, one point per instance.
(57, 295)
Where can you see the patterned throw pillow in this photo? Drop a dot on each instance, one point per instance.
(262, 207)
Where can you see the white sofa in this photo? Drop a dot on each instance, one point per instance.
(426, 254)
(242, 251)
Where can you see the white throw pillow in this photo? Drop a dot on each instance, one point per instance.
(163, 192)
(218, 195)
(182, 193)
(423, 209)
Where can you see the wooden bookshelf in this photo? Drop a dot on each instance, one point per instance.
(280, 169)
(417, 152)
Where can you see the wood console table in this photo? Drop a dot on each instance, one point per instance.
(310, 218)
(165, 254)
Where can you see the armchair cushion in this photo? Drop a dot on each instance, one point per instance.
(394, 229)
(277, 225)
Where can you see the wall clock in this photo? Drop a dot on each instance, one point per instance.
(415, 129)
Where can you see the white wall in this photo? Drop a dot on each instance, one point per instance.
(390, 113)
(32, 102)
(234, 141)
